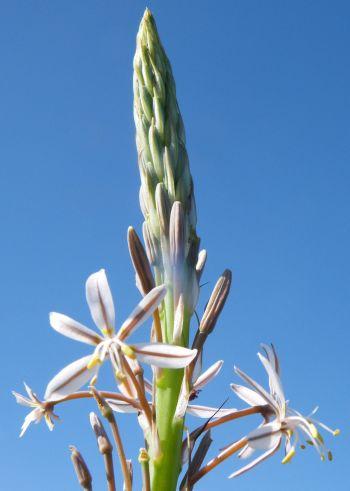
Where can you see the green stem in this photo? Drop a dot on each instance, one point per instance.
(166, 467)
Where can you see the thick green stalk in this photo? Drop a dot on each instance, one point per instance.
(168, 205)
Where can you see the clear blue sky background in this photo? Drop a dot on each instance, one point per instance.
(264, 91)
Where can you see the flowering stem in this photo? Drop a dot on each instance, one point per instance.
(140, 392)
(107, 413)
(166, 468)
(121, 454)
(144, 462)
(108, 460)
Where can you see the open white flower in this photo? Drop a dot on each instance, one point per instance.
(281, 421)
(109, 343)
(40, 409)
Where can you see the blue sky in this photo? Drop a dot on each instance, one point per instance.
(264, 92)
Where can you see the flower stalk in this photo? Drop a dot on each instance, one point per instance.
(168, 205)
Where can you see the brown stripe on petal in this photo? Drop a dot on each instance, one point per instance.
(137, 316)
(162, 355)
(71, 378)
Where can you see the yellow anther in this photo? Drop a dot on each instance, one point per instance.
(128, 351)
(93, 362)
(330, 456)
(93, 380)
(289, 456)
(320, 438)
(106, 331)
(120, 375)
(323, 458)
(143, 455)
(314, 431)
(336, 432)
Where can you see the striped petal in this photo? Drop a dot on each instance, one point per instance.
(246, 452)
(260, 390)
(208, 412)
(208, 375)
(272, 357)
(70, 379)
(22, 400)
(73, 329)
(248, 395)
(163, 355)
(257, 461)
(99, 298)
(142, 312)
(274, 381)
(265, 436)
(122, 406)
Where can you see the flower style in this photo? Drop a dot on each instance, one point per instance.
(41, 409)
(280, 422)
(111, 344)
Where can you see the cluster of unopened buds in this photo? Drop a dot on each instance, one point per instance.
(168, 273)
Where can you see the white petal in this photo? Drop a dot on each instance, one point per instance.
(208, 412)
(257, 461)
(142, 312)
(23, 401)
(265, 436)
(246, 452)
(178, 321)
(33, 417)
(164, 355)
(248, 395)
(183, 398)
(70, 379)
(272, 357)
(274, 381)
(208, 375)
(260, 390)
(73, 329)
(121, 406)
(99, 298)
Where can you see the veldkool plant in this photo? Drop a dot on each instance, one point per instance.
(168, 271)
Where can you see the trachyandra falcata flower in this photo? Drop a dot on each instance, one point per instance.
(40, 409)
(281, 421)
(109, 343)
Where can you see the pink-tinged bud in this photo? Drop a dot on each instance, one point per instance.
(216, 302)
(81, 469)
(140, 262)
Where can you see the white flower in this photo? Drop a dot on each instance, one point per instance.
(109, 343)
(281, 421)
(41, 409)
